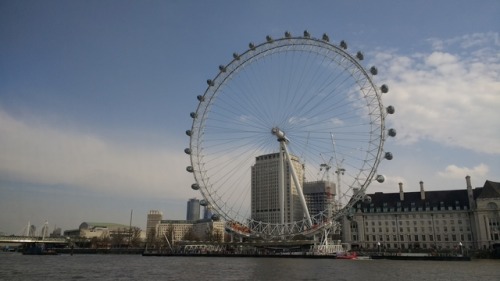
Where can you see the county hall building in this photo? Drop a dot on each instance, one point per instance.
(464, 219)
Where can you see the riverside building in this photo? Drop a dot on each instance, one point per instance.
(434, 220)
(179, 230)
(265, 199)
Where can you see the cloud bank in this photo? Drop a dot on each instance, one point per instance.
(450, 95)
(45, 155)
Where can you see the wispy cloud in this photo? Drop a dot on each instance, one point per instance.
(455, 172)
(450, 95)
(46, 155)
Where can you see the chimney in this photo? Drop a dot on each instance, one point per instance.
(472, 204)
(467, 180)
(422, 192)
(401, 193)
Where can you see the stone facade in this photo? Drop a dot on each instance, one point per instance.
(179, 230)
(446, 219)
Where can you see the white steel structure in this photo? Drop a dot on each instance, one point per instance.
(296, 96)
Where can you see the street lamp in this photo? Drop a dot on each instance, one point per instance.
(461, 249)
(378, 243)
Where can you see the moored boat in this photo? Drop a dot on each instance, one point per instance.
(347, 256)
(37, 249)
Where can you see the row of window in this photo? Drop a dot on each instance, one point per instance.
(415, 229)
(415, 222)
(421, 216)
(417, 238)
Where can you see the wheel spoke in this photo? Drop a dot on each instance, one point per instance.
(328, 106)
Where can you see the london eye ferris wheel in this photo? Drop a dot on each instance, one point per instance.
(275, 123)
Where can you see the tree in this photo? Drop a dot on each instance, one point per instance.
(190, 236)
(218, 235)
(118, 238)
(151, 237)
(135, 237)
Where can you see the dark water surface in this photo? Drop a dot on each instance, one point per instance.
(14, 266)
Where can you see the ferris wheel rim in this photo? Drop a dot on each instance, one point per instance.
(238, 63)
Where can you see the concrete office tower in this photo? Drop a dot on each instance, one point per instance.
(193, 209)
(154, 219)
(265, 200)
(319, 196)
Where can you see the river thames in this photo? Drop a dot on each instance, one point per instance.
(14, 266)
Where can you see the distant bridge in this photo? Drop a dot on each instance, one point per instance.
(30, 239)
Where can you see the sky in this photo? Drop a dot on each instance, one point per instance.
(95, 96)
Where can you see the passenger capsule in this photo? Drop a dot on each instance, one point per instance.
(384, 88)
(269, 39)
(343, 44)
(326, 38)
(288, 35)
(391, 132)
(193, 115)
(210, 82)
(187, 151)
(222, 68)
(367, 199)
(360, 56)
(306, 34)
(203, 202)
(390, 109)
(388, 156)
(189, 132)
(190, 169)
(236, 56)
(195, 186)
(215, 217)
(251, 46)
(380, 178)
(373, 70)
(200, 98)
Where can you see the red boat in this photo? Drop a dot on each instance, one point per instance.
(347, 256)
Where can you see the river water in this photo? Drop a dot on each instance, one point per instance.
(14, 266)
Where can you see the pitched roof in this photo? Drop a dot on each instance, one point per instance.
(442, 198)
(490, 190)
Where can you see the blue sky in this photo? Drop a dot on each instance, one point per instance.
(95, 95)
